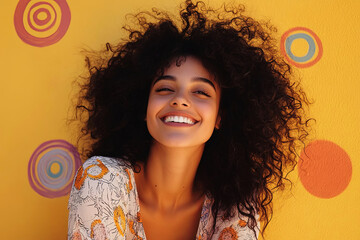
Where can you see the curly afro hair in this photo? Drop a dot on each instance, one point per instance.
(262, 108)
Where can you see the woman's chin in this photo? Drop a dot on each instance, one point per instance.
(178, 142)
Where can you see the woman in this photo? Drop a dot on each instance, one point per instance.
(192, 125)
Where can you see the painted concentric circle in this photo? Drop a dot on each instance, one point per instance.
(52, 168)
(41, 22)
(314, 51)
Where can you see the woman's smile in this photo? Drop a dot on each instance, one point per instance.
(178, 119)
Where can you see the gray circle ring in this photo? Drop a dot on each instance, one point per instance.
(309, 40)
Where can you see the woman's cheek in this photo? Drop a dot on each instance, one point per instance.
(155, 104)
(208, 107)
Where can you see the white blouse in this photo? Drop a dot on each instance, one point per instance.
(104, 204)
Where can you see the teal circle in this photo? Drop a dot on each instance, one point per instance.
(56, 175)
(309, 40)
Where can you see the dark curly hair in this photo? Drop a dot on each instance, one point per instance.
(262, 109)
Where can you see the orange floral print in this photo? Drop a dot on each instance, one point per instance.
(119, 213)
(138, 217)
(79, 180)
(228, 234)
(128, 186)
(242, 223)
(76, 236)
(98, 231)
(93, 225)
(131, 226)
(81, 175)
(104, 170)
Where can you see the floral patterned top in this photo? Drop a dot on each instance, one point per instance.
(104, 204)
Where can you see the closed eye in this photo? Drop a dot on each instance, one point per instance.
(164, 90)
(202, 93)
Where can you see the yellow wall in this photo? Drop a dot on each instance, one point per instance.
(36, 89)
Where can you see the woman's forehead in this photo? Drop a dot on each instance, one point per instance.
(187, 67)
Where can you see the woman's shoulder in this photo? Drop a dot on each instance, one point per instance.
(100, 198)
(104, 170)
(117, 165)
(97, 164)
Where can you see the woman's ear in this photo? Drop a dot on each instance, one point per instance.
(217, 123)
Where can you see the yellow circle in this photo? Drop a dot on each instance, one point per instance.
(55, 168)
(299, 47)
(42, 16)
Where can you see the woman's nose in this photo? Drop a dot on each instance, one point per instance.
(180, 100)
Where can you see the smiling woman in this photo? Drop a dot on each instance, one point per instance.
(192, 123)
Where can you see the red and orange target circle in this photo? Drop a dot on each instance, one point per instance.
(41, 23)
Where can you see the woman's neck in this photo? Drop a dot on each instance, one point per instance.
(166, 182)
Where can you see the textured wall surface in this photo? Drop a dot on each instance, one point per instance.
(40, 49)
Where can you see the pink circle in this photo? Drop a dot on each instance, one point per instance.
(325, 169)
(41, 21)
(41, 179)
(41, 41)
(35, 28)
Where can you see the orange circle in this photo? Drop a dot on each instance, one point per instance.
(324, 169)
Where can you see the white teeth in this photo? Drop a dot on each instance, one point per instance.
(178, 119)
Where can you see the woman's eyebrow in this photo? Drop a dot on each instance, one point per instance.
(172, 78)
(205, 80)
(164, 77)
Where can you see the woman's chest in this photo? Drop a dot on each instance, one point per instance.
(171, 226)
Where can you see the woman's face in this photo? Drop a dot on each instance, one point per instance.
(183, 105)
